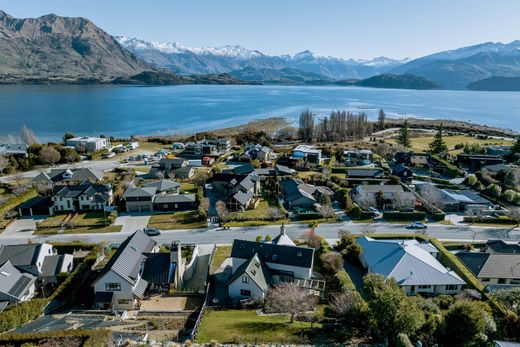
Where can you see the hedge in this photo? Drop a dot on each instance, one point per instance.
(406, 216)
(451, 170)
(87, 338)
(14, 202)
(505, 221)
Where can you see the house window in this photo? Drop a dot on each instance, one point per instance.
(253, 272)
(245, 279)
(245, 292)
(424, 287)
(451, 287)
(123, 301)
(275, 257)
(112, 287)
(257, 265)
(501, 281)
(485, 280)
(299, 254)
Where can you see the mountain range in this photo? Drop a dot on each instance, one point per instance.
(54, 49)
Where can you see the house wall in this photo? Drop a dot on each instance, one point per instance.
(63, 204)
(236, 286)
(124, 294)
(494, 281)
(299, 272)
(174, 206)
(303, 202)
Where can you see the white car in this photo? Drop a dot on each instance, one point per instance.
(417, 225)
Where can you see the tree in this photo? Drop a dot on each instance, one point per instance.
(290, 299)
(514, 214)
(332, 262)
(438, 145)
(69, 155)
(222, 211)
(4, 163)
(391, 310)
(364, 200)
(273, 213)
(349, 309)
(432, 195)
(28, 136)
(494, 190)
(49, 155)
(312, 239)
(348, 247)
(404, 136)
(67, 136)
(467, 323)
(204, 204)
(381, 119)
(403, 201)
(510, 298)
(515, 150)
(326, 211)
(306, 126)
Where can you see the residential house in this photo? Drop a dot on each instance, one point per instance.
(174, 202)
(494, 170)
(494, 270)
(357, 157)
(499, 246)
(240, 188)
(501, 150)
(279, 171)
(374, 173)
(164, 271)
(81, 197)
(307, 154)
(13, 149)
(384, 196)
(167, 166)
(150, 198)
(120, 285)
(139, 199)
(88, 143)
(184, 173)
(449, 200)
(259, 152)
(412, 264)
(207, 161)
(298, 194)
(206, 148)
(15, 286)
(164, 186)
(411, 159)
(404, 173)
(53, 265)
(475, 162)
(37, 206)
(28, 258)
(47, 180)
(258, 265)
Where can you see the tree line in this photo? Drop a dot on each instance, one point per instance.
(338, 126)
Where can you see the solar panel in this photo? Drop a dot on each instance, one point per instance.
(20, 286)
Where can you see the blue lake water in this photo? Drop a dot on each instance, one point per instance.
(124, 110)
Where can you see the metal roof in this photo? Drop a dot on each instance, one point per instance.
(157, 268)
(256, 270)
(13, 283)
(271, 253)
(499, 246)
(138, 192)
(162, 185)
(492, 265)
(20, 255)
(174, 198)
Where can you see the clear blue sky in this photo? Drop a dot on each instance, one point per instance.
(341, 28)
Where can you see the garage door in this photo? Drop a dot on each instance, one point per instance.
(139, 208)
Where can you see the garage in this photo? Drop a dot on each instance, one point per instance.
(38, 206)
(139, 208)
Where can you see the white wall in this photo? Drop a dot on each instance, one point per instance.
(299, 272)
(124, 293)
(235, 287)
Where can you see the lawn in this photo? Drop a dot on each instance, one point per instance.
(255, 217)
(308, 174)
(221, 254)
(245, 326)
(177, 220)
(52, 221)
(80, 230)
(89, 219)
(188, 188)
(422, 143)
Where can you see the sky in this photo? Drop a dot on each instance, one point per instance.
(359, 29)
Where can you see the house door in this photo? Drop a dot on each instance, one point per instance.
(412, 289)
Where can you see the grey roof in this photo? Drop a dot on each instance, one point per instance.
(285, 170)
(20, 255)
(496, 167)
(129, 256)
(399, 168)
(492, 265)
(242, 197)
(13, 283)
(499, 246)
(157, 268)
(183, 170)
(162, 185)
(53, 264)
(353, 173)
(134, 192)
(84, 188)
(287, 255)
(404, 261)
(175, 198)
(81, 174)
(294, 189)
(172, 162)
(140, 288)
(376, 188)
(243, 169)
(256, 270)
(38, 202)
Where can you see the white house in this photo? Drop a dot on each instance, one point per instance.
(88, 143)
(84, 197)
(27, 258)
(412, 264)
(120, 284)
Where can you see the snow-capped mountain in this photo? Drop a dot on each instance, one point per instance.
(225, 59)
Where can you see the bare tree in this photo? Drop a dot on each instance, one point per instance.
(326, 211)
(4, 163)
(432, 195)
(204, 204)
(332, 262)
(273, 213)
(312, 239)
(514, 214)
(306, 126)
(49, 155)
(403, 201)
(290, 299)
(222, 211)
(364, 200)
(29, 137)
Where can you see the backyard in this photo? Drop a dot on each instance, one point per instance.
(221, 254)
(177, 220)
(245, 326)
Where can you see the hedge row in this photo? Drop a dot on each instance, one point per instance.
(505, 221)
(406, 216)
(86, 338)
(14, 202)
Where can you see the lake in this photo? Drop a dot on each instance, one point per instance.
(142, 110)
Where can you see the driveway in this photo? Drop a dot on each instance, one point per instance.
(200, 275)
(132, 223)
(22, 227)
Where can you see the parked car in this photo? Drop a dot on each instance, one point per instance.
(152, 231)
(417, 225)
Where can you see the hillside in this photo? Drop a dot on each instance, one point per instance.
(57, 49)
(497, 83)
(396, 81)
(281, 76)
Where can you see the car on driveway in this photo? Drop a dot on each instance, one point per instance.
(417, 225)
(152, 231)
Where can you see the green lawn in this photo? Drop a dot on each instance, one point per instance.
(307, 174)
(253, 223)
(177, 220)
(221, 254)
(89, 219)
(188, 188)
(80, 230)
(245, 326)
(52, 221)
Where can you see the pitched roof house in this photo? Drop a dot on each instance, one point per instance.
(15, 286)
(84, 196)
(67, 176)
(413, 265)
(298, 194)
(27, 257)
(164, 186)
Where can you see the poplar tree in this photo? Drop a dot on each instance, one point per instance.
(404, 136)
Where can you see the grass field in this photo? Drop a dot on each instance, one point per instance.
(422, 143)
(89, 219)
(177, 220)
(188, 188)
(52, 221)
(245, 326)
(221, 253)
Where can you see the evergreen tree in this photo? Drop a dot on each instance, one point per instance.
(381, 119)
(515, 150)
(438, 145)
(404, 136)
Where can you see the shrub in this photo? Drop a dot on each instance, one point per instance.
(332, 262)
(494, 190)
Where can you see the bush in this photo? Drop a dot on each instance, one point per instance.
(349, 248)
(471, 180)
(332, 262)
(494, 190)
(403, 341)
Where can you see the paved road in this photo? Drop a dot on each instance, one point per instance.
(329, 231)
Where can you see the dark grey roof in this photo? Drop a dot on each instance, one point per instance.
(353, 173)
(294, 189)
(81, 174)
(284, 170)
(223, 177)
(104, 297)
(20, 255)
(174, 198)
(38, 202)
(129, 256)
(183, 170)
(242, 197)
(287, 255)
(473, 261)
(138, 192)
(256, 270)
(242, 169)
(12, 282)
(157, 268)
(496, 167)
(399, 168)
(52, 265)
(499, 246)
(74, 191)
(376, 188)
(172, 162)
(162, 185)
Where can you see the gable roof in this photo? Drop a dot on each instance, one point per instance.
(13, 283)
(74, 191)
(174, 198)
(138, 192)
(162, 185)
(80, 174)
(353, 173)
(286, 255)
(406, 262)
(242, 197)
(399, 168)
(376, 188)
(242, 169)
(492, 265)
(256, 270)
(53, 264)
(20, 255)
(499, 246)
